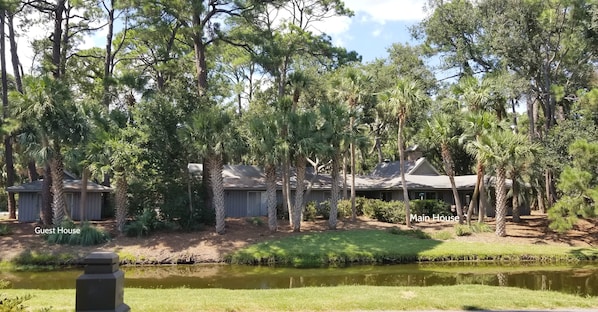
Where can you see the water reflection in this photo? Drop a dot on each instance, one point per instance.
(581, 279)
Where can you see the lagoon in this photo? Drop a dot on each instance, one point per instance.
(580, 279)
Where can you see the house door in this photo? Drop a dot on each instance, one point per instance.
(256, 204)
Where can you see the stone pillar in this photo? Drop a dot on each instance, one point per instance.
(101, 287)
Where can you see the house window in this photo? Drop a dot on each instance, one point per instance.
(69, 199)
(386, 196)
(426, 195)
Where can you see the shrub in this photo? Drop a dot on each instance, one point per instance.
(462, 230)
(85, 235)
(442, 235)
(481, 228)
(390, 212)
(144, 224)
(5, 230)
(429, 207)
(310, 211)
(257, 221)
(343, 208)
(413, 233)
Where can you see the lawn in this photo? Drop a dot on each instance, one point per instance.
(344, 298)
(377, 246)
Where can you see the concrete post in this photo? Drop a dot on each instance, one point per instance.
(101, 287)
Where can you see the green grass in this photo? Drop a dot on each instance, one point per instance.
(344, 298)
(374, 246)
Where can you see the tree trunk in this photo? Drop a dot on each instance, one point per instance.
(215, 168)
(501, 202)
(483, 201)
(8, 156)
(200, 51)
(352, 147)
(108, 58)
(299, 189)
(286, 189)
(57, 38)
(121, 200)
(345, 192)
(474, 199)
(515, 201)
(450, 171)
(332, 219)
(46, 215)
(271, 196)
(403, 180)
(32, 171)
(59, 208)
(83, 202)
(16, 65)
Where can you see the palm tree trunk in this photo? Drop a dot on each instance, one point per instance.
(46, 214)
(286, 189)
(515, 202)
(58, 201)
(403, 180)
(483, 201)
(83, 202)
(353, 170)
(299, 188)
(332, 219)
(215, 167)
(121, 200)
(501, 202)
(271, 196)
(345, 193)
(449, 168)
(474, 198)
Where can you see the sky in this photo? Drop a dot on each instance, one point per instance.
(376, 25)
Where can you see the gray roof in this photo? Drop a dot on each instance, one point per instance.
(246, 177)
(70, 185)
(393, 169)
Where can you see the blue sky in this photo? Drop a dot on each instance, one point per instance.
(377, 24)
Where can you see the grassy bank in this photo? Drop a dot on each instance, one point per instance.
(346, 298)
(374, 246)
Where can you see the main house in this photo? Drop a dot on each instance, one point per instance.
(245, 186)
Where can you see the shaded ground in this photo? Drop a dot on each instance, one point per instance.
(207, 246)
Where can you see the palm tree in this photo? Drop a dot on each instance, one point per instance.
(499, 150)
(213, 135)
(53, 120)
(476, 126)
(350, 88)
(302, 142)
(264, 142)
(440, 131)
(398, 102)
(334, 135)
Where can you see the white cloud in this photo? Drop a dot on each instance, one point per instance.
(376, 32)
(382, 11)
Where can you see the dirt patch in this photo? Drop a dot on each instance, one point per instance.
(207, 246)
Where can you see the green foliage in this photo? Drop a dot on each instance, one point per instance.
(390, 212)
(462, 230)
(5, 230)
(429, 207)
(13, 304)
(343, 209)
(83, 235)
(413, 233)
(144, 224)
(442, 235)
(256, 221)
(480, 228)
(579, 184)
(35, 258)
(310, 211)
